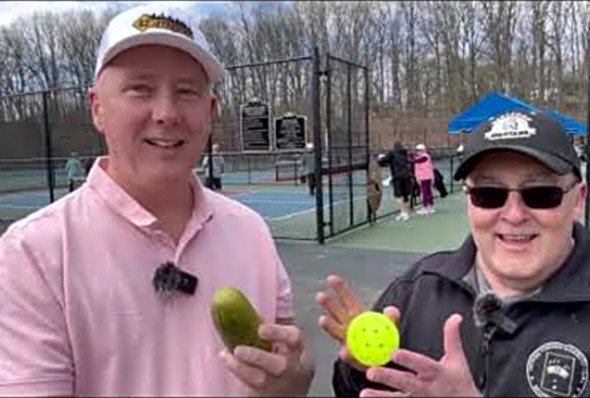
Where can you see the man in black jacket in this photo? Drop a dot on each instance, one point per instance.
(506, 314)
(401, 177)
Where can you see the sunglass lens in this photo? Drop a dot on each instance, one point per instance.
(542, 197)
(488, 197)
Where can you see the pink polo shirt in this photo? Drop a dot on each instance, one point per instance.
(79, 315)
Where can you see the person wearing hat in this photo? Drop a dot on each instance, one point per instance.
(108, 290)
(507, 313)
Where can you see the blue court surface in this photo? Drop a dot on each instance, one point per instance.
(269, 203)
(277, 204)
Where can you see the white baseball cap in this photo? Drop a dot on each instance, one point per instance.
(157, 23)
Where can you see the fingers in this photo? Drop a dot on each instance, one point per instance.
(253, 377)
(452, 336)
(287, 334)
(287, 340)
(393, 314)
(345, 294)
(396, 379)
(336, 330)
(420, 364)
(333, 307)
(369, 392)
(253, 358)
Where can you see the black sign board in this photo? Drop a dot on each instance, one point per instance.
(255, 126)
(290, 132)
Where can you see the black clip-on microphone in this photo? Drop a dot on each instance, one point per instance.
(168, 279)
(488, 309)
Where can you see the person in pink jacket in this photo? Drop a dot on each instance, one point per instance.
(424, 173)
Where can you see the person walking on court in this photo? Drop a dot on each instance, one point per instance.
(424, 173)
(107, 291)
(401, 178)
(309, 167)
(214, 173)
(74, 170)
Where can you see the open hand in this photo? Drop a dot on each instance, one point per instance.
(339, 313)
(450, 376)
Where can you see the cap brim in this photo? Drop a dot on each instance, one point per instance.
(214, 69)
(552, 162)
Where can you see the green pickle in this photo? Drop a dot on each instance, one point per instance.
(236, 320)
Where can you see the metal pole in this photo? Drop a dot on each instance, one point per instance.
(48, 149)
(329, 141)
(317, 145)
(367, 138)
(349, 138)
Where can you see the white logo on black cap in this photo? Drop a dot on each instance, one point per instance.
(557, 370)
(509, 126)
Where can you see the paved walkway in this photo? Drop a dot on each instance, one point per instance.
(423, 234)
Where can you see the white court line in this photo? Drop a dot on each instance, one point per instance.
(17, 207)
(245, 201)
(308, 210)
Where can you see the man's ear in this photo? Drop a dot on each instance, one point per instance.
(214, 106)
(581, 199)
(96, 109)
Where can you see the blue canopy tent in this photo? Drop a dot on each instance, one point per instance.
(495, 103)
(571, 125)
(490, 105)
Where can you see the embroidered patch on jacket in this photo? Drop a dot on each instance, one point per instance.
(161, 21)
(511, 125)
(557, 370)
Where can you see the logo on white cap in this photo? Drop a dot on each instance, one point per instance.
(510, 126)
(157, 24)
(161, 21)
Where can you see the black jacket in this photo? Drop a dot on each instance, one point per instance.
(547, 352)
(398, 162)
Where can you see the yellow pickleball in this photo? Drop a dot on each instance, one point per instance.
(371, 337)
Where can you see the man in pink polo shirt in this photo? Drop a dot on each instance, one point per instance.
(79, 314)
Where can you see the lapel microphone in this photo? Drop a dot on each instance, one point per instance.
(488, 309)
(169, 279)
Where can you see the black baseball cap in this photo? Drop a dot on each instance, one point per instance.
(534, 134)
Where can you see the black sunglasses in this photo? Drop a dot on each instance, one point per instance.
(541, 197)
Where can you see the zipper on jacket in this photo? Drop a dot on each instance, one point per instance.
(483, 382)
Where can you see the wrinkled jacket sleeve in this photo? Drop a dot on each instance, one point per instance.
(349, 382)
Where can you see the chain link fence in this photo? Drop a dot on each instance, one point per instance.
(40, 131)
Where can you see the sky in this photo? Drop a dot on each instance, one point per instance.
(10, 10)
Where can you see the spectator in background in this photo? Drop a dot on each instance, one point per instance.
(424, 173)
(401, 177)
(213, 178)
(309, 167)
(74, 169)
